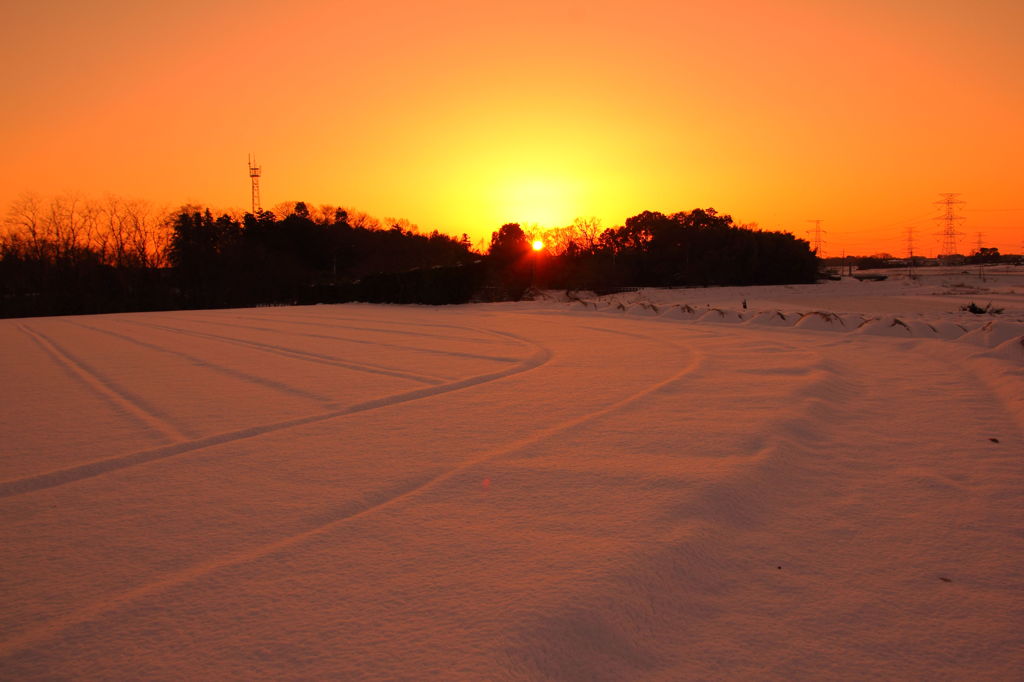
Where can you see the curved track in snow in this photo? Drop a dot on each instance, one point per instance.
(586, 496)
(182, 445)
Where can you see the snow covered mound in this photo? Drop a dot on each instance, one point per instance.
(773, 318)
(644, 309)
(683, 312)
(993, 333)
(821, 321)
(948, 330)
(1011, 349)
(887, 325)
(720, 315)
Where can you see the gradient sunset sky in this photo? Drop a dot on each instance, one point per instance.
(463, 115)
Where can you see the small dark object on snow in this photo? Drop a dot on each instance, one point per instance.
(978, 310)
(945, 579)
(994, 440)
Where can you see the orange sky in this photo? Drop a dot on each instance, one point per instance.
(462, 115)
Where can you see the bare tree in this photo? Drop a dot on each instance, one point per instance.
(118, 232)
(73, 223)
(24, 226)
(402, 224)
(283, 209)
(559, 241)
(324, 214)
(588, 231)
(144, 234)
(360, 219)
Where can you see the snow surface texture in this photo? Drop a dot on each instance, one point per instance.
(827, 483)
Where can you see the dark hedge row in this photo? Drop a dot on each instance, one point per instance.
(262, 260)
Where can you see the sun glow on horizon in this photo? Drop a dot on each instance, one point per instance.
(462, 117)
(547, 199)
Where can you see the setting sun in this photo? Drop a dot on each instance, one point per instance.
(538, 245)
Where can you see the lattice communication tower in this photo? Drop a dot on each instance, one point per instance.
(254, 174)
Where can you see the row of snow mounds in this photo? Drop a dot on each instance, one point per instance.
(994, 334)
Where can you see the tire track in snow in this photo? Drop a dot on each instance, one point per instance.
(59, 477)
(998, 382)
(206, 364)
(313, 322)
(383, 501)
(380, 344)
(402, 323)
(308, 356)
(121, 399)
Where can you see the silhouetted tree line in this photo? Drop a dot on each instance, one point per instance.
(69, 256)
(74, 257)
(695, 248)
(302, 258)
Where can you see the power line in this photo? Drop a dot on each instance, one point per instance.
(898, 223)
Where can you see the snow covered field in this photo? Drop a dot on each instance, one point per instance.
(828, 483)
